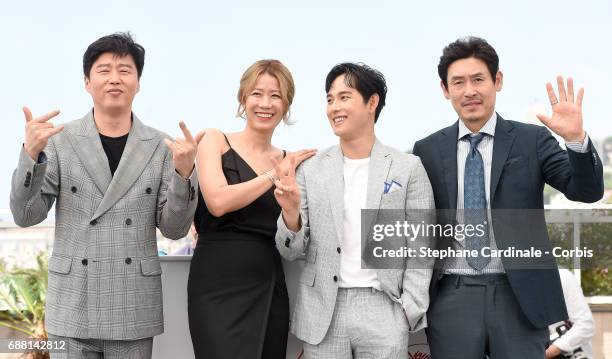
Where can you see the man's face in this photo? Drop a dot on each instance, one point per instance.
(113, 82)
(471, 89)
(348, 115)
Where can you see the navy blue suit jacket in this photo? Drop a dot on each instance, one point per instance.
(525, 157)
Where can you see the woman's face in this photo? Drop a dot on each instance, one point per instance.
(263, 105)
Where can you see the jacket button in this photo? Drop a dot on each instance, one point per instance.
(287, 242)
(128, 221)
(93, 222)
(335, 278)
(84, 262)
(128, 260)
(338, 250)
(73, 189)
(148, 190)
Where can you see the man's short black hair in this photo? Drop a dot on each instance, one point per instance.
(366, 80)
(464, 48)
(121, 44)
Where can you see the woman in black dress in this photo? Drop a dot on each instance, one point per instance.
(237, 298)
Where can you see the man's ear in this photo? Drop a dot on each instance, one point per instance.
(87, 82)
(444, 90)
(499, 81)
(373, 102)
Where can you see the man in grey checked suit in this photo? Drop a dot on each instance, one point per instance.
(113, 181)
(342, 310)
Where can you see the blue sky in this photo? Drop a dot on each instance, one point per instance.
(197, 51)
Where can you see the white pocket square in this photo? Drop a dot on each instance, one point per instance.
(391, 187)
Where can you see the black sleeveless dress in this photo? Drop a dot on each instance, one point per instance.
(237, 297)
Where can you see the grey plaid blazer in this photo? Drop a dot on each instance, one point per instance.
(104, 273)
(321, 184)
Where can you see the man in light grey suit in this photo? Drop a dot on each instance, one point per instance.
(113, 181)
(343, 310)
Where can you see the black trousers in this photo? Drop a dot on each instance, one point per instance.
(476, 316)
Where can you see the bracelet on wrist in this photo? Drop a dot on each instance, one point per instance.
(270, 176)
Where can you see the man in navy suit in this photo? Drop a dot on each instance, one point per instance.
(484, 305)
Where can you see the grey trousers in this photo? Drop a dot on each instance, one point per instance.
(474, 316)
(366, 324)
(103, 349)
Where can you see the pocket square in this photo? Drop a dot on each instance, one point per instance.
(391, 187)
(512, 161)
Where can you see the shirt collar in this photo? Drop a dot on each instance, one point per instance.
(488, 128)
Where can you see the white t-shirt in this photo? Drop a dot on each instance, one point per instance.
(583, 329)
(355, 197)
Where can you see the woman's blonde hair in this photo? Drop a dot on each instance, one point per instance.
(273, 68)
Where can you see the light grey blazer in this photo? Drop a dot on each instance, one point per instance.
(321, 183)
(104, 273)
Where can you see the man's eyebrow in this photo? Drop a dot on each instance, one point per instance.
(457, 77)
(345, 92)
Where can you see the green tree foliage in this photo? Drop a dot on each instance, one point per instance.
(23, 292)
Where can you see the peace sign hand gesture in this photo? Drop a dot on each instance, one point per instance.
(38, 131)
(287, 193)
(184, 150)
(566, 119)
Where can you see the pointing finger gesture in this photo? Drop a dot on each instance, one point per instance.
(183, 151)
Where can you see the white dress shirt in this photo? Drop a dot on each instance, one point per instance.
(485, 147)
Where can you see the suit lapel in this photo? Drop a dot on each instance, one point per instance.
(136, 155)
(378, 173)
(335, 189)
(448, 151)
(504, 138)
(380, 163)
(88, 148)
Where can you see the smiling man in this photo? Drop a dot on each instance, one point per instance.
(486, 306)
(343, 310)
(113, 181)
